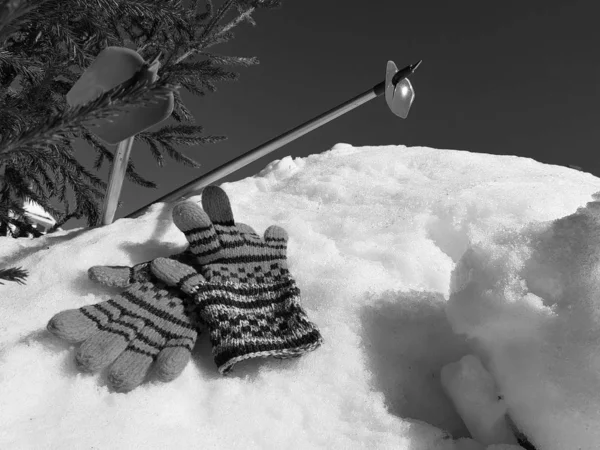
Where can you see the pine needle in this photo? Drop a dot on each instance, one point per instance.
(16, 274)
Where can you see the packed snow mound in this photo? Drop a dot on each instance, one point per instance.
(408, 259)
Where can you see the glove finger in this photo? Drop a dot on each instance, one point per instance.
(131, 367)
(104, 347)
(247, 231)
(185, 257)
(124, 276)
(181, 338)
(216, 204)
(113, 276)
(168, 322)
(72, 326)
(171, 361)
(199, 231)
(128, 371)
(176, 274)
(277, 238)
(77, 325)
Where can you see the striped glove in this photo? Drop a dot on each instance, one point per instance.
(244, 291)
(147, 324)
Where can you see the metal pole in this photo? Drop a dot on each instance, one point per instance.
(264, 149)
(117, 174)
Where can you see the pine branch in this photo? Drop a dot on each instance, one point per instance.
(186, 135)
(74, 48)
(245, 16)
(261, 4)
(181, 110)
(176, 134)
(208, 29)
(217, 39)
(13, 14)
(105, 106)
(13, 214)
(100, 147)
(70, 167)
(15, 181)
(152, 145)
(109, 6)
(177, 156)
(231, 60)
(158, 141)
(21, 66)
(162, 12)
(16, 274)
(131, 175)
(192, 88)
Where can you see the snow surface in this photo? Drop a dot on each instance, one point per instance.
(408, 259)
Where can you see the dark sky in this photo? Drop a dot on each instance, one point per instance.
(512, 77)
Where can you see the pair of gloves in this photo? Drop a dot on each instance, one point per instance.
(229, 281)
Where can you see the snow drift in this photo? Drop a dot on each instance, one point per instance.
(408, 259)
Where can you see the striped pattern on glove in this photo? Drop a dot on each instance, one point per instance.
(147, 326)
(244, 290)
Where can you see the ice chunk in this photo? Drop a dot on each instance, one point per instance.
(473, 392)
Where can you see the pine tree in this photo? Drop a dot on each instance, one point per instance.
(45, 45)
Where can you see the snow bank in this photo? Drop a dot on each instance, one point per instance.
(408, 260)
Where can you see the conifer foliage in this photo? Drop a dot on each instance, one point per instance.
(13, 274)
(45, 45)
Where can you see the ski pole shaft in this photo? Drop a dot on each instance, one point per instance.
(264, 149)
(293, 134)
(115, 183)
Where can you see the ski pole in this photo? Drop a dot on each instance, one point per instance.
(399, 97)
(115, 181)
(113, 66)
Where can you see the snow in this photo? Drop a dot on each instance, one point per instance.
(408, 260)
(474, 394)
(38, 214)
(40, 218)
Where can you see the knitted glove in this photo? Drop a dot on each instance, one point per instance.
(147, 323)
(124, 276)
(244, 291)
